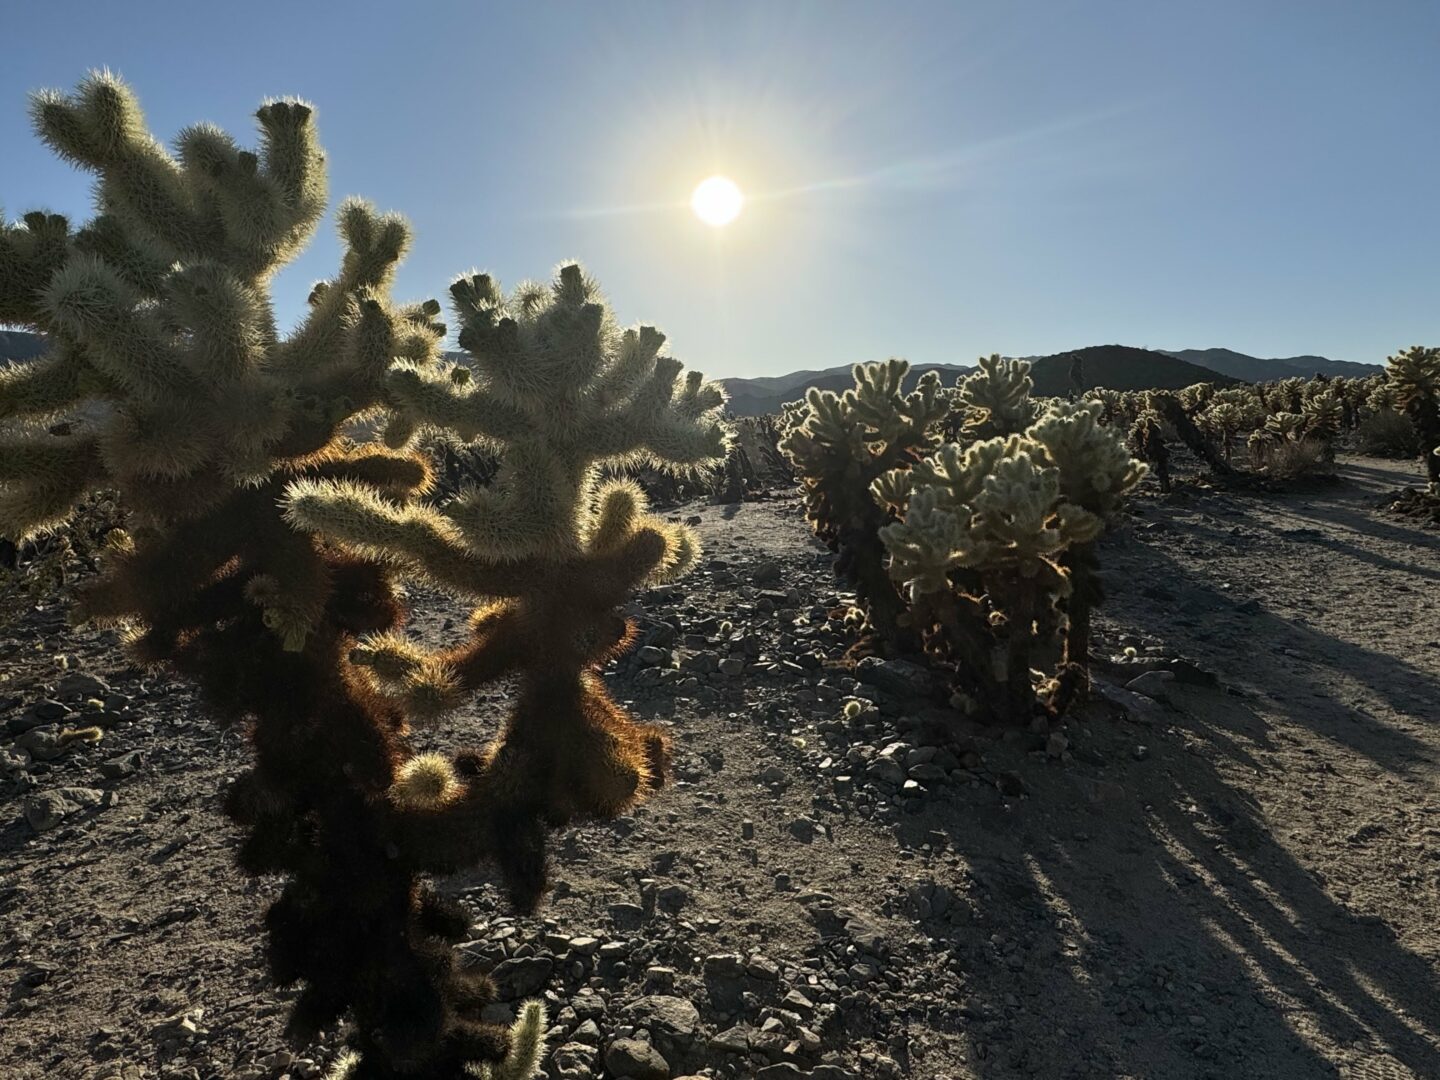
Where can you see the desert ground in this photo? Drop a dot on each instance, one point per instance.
(1230, 869)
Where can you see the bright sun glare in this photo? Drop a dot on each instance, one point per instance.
(717, 201)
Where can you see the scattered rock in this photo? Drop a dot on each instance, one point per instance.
(633, 1058)
(49, 808)
(522, 976)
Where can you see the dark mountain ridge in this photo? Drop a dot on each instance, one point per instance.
(1119, 367)
(1256, 369)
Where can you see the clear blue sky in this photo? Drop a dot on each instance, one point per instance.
(928, 180)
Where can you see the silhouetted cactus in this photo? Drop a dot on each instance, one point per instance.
(214, 427)
(839, 445)
(1147, 442)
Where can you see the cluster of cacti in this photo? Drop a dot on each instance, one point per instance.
(839, 444)
(994, 546)
(1270, 420)
(1413, 377)
(265, 543)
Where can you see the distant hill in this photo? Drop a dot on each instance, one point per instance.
(752, 397)
(1255, 369)
(1118, 367)
(20, 345)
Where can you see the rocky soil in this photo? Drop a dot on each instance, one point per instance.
(1227, 864)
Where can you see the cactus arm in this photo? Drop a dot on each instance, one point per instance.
(87, 299)
(41, 480)
(100, 128)
(30, 252)
(434, 398)
(44, 386)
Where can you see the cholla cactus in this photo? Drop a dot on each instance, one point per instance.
(1225, 420)
(1147, 442)
(996, 399)
(1097, 473)
(548, 550)
(176, 388)
(990, 542)
(840, 444)
(1169, 408)
(1414, 378)
(1195, 397)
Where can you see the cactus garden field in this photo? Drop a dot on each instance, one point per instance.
(436, 690)
(1229, 877)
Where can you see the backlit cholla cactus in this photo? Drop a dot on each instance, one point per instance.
(1291, 444)
(995, 400)
(1225, 421)
(839, 445)
(1414, 376)
(548, 551)
(1195, 397)
(168, 380)
(988, 545)
(1147, 442)
(1097, 473)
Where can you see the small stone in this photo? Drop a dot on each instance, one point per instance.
(1156, 685)
(633, 1058)
(48, 711)
(671, 1017)
(573, 1061)
(762, 967)
(766, 573)
(48, 809)
(673, 897)
(1010, 784)
(798, 1002)
(725, 966)
(77, 686)
(651, 655)
(735, 1040)
(1056, 745)
(522, 976)
(584, 946)
(121, 765)
(627, 916)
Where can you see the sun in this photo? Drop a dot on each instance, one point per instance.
(717, 201)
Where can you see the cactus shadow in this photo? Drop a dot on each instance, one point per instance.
(1270, 656)
(1156, 892)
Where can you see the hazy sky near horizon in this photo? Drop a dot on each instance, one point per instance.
(927, 180)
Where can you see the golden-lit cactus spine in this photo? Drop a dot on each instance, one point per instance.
(839, 444)
(548, 550)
